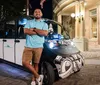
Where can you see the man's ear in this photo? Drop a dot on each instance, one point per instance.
(41, 14)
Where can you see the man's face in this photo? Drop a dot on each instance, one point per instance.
(37, 13)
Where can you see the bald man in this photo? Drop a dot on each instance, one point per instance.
(35, 31)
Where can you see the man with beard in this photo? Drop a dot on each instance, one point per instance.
(35, 31)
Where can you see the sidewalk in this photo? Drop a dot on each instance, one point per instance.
(10, 75)
(92, 56)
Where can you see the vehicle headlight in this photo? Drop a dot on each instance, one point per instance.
(51, 44)
(72, 43)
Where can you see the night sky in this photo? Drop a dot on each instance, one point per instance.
(47, 8)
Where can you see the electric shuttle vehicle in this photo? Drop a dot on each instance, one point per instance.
(60, 58)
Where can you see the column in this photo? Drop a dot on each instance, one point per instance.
(27, 7)
(80, 42)
(60, 21)
(82, 16)
(77, 20)
(98, 17)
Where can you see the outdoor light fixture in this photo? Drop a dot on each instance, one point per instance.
(72, 15)
(85, 3)
(77, 15)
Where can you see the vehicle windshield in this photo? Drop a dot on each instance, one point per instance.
(56, 28)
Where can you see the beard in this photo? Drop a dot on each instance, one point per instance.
(37, 17)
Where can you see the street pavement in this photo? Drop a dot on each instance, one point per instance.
(88, 75)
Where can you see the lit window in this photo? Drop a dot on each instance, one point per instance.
(93, 16)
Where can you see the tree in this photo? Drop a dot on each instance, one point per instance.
(9, 8)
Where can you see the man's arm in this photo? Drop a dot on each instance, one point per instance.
(41, 32)
(29, 31)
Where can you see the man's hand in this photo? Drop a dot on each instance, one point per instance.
(41, 32)
(33, 29)
(30, 31)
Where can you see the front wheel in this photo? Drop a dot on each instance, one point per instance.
(48, 72)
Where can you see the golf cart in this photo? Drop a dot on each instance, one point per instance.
(60, 57)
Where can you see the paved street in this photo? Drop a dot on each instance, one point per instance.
(88, 75)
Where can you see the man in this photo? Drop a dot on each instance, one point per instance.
(35, 31)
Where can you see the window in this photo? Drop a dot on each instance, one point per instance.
(10, 31)
(1, 33)
(1, 30)
(20, 32)
(93, 16)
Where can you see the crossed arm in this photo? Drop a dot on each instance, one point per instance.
(33, 31)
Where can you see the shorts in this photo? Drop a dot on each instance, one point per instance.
(32, 55)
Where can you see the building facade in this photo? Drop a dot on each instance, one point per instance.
(82, 20)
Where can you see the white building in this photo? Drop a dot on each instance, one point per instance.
(84, 27)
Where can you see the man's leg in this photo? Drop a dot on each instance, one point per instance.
(27, 57)
(36, 67)
(36, 58)
(32, 69)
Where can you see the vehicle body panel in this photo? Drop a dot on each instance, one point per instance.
(1, 48)
(19, 50)
(9, 49)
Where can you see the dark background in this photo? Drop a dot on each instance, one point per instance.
(13, 8)
(47, 7)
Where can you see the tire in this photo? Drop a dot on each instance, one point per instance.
(48, 72)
